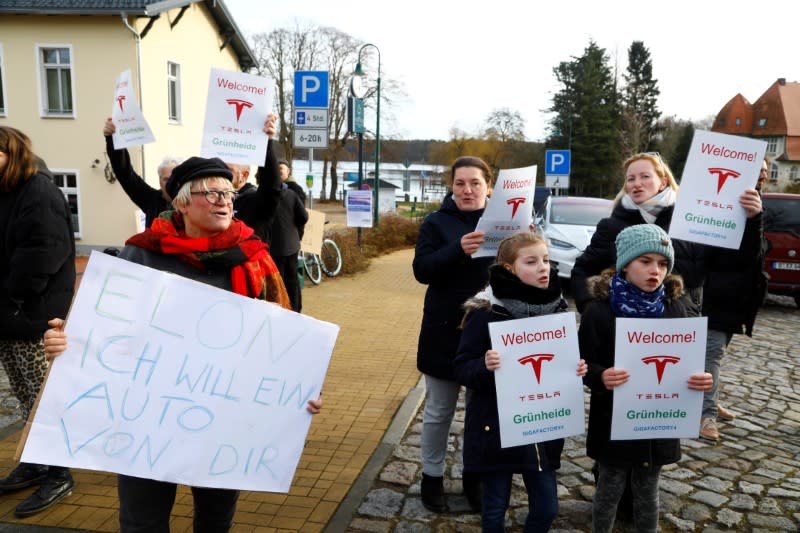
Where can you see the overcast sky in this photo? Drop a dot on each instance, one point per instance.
(459, 60)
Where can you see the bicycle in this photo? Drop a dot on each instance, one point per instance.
(328, 261)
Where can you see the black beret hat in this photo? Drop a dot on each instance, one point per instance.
(284, 162)
(194, 168)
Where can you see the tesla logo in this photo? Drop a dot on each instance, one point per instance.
(535, 361)
(515, 203)
(120, 99)
(239, 104)
(722, 175)
(661, 363)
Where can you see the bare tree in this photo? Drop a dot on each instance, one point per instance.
(279, 54)
(305, 47)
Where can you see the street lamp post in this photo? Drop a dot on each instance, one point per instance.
(360, 72)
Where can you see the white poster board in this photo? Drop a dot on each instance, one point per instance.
(359, 209)
(510, 209)
(718, 169)
(660, 355)
(539, 394)
(131, 127)
(171, 379)
(236, 110)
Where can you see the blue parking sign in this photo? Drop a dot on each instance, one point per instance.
(557, 162)
(311, 89)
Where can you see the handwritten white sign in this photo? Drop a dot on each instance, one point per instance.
(510, 209)
(718, 170)
(236, 109)
(171, 379)
(660, 355)
(132, 128)
(539, 395)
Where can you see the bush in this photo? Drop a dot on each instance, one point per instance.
(394, 232)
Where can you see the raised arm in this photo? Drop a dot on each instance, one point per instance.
(132, 183)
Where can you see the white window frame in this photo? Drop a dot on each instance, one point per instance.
(773, 172)
(772, 145)
(43, 109)
(3, 92)
(66, 190)
(176, 81)
(793, 173)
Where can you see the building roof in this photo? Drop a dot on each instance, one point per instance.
(775, 113)
(138, 8)
(735, 117)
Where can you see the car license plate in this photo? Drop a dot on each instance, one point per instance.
(779, 265)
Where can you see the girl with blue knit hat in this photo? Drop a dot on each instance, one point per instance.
(642, 286)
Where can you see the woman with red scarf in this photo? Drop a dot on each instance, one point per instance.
(202, 241)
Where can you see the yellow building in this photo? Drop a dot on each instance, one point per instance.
(59, 61)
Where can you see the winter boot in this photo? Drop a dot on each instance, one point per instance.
(432, 489)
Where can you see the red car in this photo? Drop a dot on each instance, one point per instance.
(782, 229)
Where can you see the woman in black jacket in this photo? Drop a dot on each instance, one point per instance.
(37, 281)
(442, 261)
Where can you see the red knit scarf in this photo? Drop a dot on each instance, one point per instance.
(253, 272)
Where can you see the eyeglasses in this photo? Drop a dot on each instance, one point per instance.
(217, 197)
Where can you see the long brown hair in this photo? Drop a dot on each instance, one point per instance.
(21, 163)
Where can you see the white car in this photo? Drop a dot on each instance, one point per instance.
(568, 223)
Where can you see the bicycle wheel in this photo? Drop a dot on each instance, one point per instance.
(311, 263)
(330, 257)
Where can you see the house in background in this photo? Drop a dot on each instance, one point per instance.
(59, 61)
(774, 118)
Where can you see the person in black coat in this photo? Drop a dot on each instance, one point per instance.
(447, 239)
(254, 207)
(521, 285)
(734, 291)
(641, 287)
(37, 281)
(286, 232)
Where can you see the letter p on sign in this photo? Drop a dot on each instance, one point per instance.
(557, 162)
(311, 89)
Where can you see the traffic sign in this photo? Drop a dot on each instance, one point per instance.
(311, 89)
(310, 138)
(557, 162)
(311, 118)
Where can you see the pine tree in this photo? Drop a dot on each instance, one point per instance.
(639, 101)
(587, 121)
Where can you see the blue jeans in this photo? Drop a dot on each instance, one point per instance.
(542, 500)
(715, 349)
(441, 396)
(145, 506)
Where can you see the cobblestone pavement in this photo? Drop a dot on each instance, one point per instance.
(748, 482)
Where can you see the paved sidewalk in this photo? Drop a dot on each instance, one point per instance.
(748, 482)
(372, 371)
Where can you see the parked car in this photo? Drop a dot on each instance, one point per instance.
(568, 223)
(782, 229)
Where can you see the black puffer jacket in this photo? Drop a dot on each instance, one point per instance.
(482, 451)
(37, 258)
(596, 336)
(737, 284)
(601, 254)
(452, 277)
